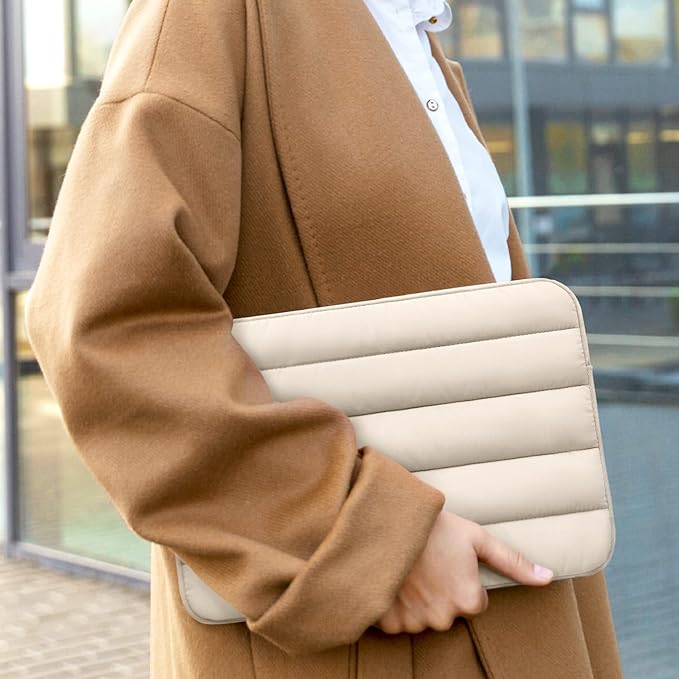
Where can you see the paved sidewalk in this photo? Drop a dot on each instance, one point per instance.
(56, 625)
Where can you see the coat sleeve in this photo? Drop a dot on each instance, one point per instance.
(270, 503)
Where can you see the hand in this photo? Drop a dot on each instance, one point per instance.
(444, 582)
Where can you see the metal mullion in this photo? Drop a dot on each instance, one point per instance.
(673, 42)
(10, 68)
(608, 13)
(8, 459)
(16, 149)
(24, 253)
(570, 12)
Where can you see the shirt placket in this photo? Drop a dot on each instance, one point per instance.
(413, 29)
(416, 60)
(436, 106)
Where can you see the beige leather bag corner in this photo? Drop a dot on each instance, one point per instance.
(483, 391)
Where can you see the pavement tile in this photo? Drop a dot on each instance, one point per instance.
(56, 625)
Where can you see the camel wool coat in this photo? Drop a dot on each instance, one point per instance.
(246, 157)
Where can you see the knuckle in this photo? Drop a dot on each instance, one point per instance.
(414, 627)
(412, 624)
(390, 624)
(479, 604)
(390, 627)
(473, 603)
(442, 620)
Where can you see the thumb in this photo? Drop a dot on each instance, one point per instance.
(503, 558)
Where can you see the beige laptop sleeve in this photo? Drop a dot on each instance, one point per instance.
(484, 391)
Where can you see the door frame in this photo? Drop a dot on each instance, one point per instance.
(19, 258)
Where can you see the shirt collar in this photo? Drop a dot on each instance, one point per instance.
(420, 11)
(423, 10)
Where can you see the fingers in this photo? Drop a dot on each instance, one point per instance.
(390, 622)
(447, 584)
(399, 618)
(474, 603)
(440, 617)
(503, 558)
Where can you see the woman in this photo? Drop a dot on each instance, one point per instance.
(245, 157)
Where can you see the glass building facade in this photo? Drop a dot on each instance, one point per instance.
(579, 104)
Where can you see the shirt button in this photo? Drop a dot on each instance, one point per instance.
(432, 104)
(433, 20)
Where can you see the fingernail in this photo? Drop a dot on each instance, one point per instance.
(542, 572)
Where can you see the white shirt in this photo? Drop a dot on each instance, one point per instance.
(404, 23)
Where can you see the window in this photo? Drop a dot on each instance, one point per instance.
(65, 50)
(590, 4)
(640, 30)
(61, 506)
(543, 29)
(668, 151)
(95, 27)
(567, 157)
(641, 156)
(481, 30)
(590, 36)
(500, 140)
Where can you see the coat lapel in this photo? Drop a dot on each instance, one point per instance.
(375, 199)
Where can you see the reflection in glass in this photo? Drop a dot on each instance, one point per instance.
(65, 51)
(61, 504)
(543, 29)
(640, 30)
(590, 37)
(567, 157)
(481, 31)
(668, 150)
(500, 141)
(641, 157)
(589, 4)
(96, 24)
(607, 162)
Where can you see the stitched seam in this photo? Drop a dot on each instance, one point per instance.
(467, 400)
(405, 351)
(352, 660)
(100, 103)
(323, 281)
(508, 459)
(544, 516)
(479, 649)
(155, 47)
(261, 20)
(252, 654)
